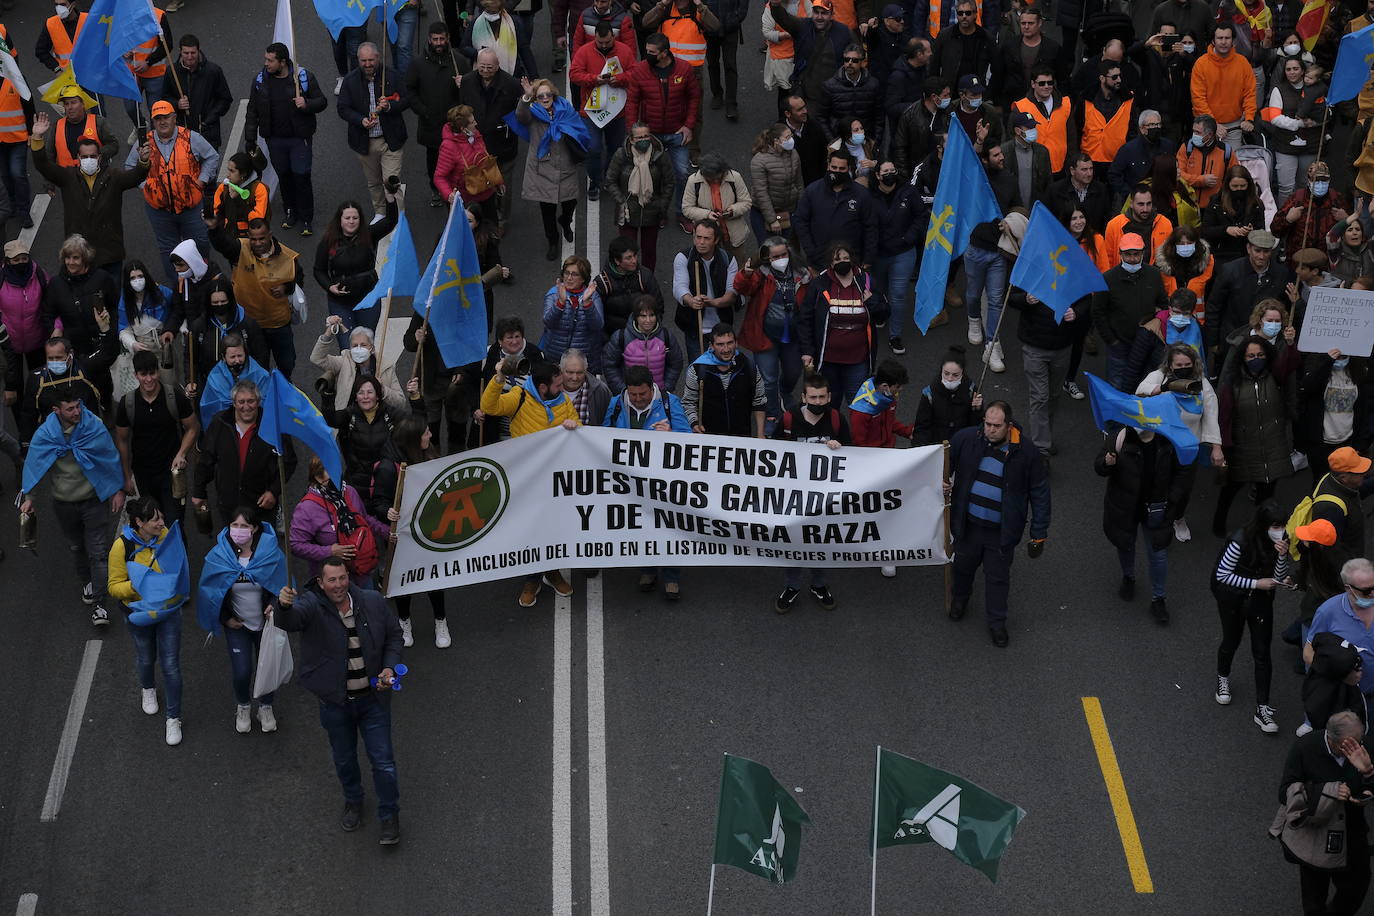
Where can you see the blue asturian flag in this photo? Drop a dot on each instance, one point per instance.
(221, 381)
(400, 271)
(963, 199)
(450, 291)
(164, 585)
(1052, 266)
(1352, 66)
(287, 411)
(1162, 414)
(90, 444)
(338, 15)
(266, 568)
(113, 27)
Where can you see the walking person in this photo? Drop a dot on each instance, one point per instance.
(640, 181)
(371, 102)
(282, 104)
(558, 140)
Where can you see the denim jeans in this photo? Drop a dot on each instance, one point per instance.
(291, 158)
(792, 577)
(981, 546)
(171, 229)
(366, 318)
(986, 271)
(243, 644)
(151, 88)
(666, 573)
(845, 380)
(609, 138)
(86, 526)
(525, 63)
(370, 716)
(682, 162)
(14, 172)
(896, 274)
(161, 640)
(1118, 355)
(1158, 561)
(781, 369)
(346, 47)
(403, 48)
(283, 348)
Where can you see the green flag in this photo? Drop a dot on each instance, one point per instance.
(916, 803)
(758, 824)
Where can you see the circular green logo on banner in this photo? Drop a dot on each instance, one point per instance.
(461, 504)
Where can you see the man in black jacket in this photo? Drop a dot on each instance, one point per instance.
(1137, 155)
(914, 136)
(853, 94)
(432, 82)
(1079, 189)
(1239, 286)
(819, 43)
(1013, 61)
(965, 50)
(199, 93)
(493, 93)
(1027, 160)
(282, 104)
(251, 480)
(1046, 346)
(836, 208)
(810, 138)
(906, 81)
(370, 101)
(350, 648)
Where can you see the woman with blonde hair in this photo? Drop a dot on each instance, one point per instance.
(558, 142)
(461, 148)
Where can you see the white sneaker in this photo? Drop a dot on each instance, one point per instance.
(243, 718)
(173, 732)
(1181, 532)
(441, 638)
(407, 636)
(889, 572)
(1304, 729)
(992, 355)
(338, 84)
(1223, 690)
(87, 594)
(150, 701)
(266, 719)
(975, 331)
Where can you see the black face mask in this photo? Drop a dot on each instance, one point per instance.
(643, 145)
(842, 268)
(1152, 133)
(839, 179)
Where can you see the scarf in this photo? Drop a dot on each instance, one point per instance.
(164, 584)
(19, 274)
(709, 358)
(549, 403)
(870, 400)
(563, 122)
(1191, 335)
(641, 178)
(346, 519)
(89, 443)
(503, 44)
(266, 568)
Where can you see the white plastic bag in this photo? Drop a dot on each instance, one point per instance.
(300, 309)
(274, 660)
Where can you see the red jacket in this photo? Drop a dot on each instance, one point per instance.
(880, 431)
(587, 64)
(759, 285)
(456, 155)
(664, 104)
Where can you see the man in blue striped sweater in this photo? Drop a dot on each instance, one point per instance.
(998, 480)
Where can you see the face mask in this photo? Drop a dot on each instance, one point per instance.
(240, 536)
(857, 139)
(1364, 602)
(359, 354)
(643, 145)
(1276, 534)
(838, 178)
(89, 165)
(1031, 134)
(842, 268)
(491, 17)
(942, 104)
(1271, 328)
(1180, 321)
(1340, 363)
(975, 102)
(1187, 49)
(1199, 140)
(1320, 188)
(184, 274)
(780, 265)
(1292, 50)
(61, 10)
(1131, 268)
(57, 366)
(1255, 365)
(137, 284)
(951, 385)
(1186, 250)
(1152, 134)
(789, 144)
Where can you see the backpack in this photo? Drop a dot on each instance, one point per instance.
(361, 538)
(168, 398)
(1302, 515)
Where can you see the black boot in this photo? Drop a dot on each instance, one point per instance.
(552, 253)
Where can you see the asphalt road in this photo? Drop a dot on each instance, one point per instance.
(566, 759)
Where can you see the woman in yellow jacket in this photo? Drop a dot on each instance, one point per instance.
(155, 632)
(536, 404)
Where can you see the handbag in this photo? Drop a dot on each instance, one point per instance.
(482, 176)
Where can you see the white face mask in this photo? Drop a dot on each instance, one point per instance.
(1186, 250)
(1276, 534)
(1031, 134)
(1131, 268)
(787, 144)
(1187, 49)
(359, 354)
(1292, 50)
(62, 10)
(491, 17)
(184, 274)
(137, 284)
(1180, 321)
(89, 165)
(951, 384)
(780, 265)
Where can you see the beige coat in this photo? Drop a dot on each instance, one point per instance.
(553, 179)
(734, 198)
(340, 368)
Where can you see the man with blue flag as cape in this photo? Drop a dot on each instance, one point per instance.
(236, 364)
(150, 575)
(87, 485)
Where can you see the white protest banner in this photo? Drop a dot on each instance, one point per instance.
(609, 498)
(605, 101)
(1338, 319)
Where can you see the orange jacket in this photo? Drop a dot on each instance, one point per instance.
(1194, 167)
(1224, 87)
(1198, 285)
(1116, 227)
(173, 185)
(1102, 138)
(61, 44)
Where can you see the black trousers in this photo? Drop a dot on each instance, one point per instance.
(1257, 610)
(721, 52)
(1351, 883)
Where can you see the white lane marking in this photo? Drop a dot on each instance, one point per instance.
(28, 905)
(562, 757)
(235, 137)
(37, 210)
(66, 748)
(597, 819)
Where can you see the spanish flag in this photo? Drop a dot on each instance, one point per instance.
(1312, 20)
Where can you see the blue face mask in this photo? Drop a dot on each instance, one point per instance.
(1340, 363)
(1364, 602)
(1131, 268)
(1271, 329)
(1186, 250)
(942, 104)
(1180, 321)
(57, 366)
(1199, 140)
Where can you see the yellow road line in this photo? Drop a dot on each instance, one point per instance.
(1116, 790)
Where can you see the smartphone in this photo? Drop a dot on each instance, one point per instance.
(1168, 41)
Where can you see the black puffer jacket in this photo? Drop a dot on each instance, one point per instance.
(364, 442)
(899, 217)
(1145, 473)
(618, 292)
(942, 412)
(1037, 327)
(731, 13)
(351, 263)
(842, 101)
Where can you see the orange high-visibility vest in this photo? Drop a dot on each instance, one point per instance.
(935, 21)
(783, 48)
(148, 47)
(13, 127)
(173, 186)
(61, 44)
(64, 155)
(685, 38)
(1102, 138)
(1053, 132)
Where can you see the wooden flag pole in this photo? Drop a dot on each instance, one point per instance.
(391, 545)
(171, 62)
(381, 327)
(281, 506)
(1307, 217)
(873, 877)
(701, 336)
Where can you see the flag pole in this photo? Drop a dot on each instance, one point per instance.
(429, 299)
(873, 877)
(949, 569)
(1307, 217)
(382, 319)
(171, 62)
(281, 504)
(711, 893)
(395, 504)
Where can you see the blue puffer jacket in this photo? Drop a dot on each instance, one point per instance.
(576, 325)
(618, 413)
(1025, 488)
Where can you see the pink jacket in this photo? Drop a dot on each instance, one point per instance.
(19, 308)
(312, 533)
(457, 152)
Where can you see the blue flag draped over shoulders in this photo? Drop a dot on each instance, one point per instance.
(564, 122)
(1162, 414)
(1052, 266)
(221, 381)
(89, 443)
(266, 568)
(164, 584)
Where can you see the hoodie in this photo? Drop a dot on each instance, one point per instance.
(1224, 87)
(1324, 691)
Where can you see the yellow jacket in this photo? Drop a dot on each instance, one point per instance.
(527, 414)
(119, 585)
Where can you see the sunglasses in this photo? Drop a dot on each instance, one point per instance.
(1044, 82)
(853, 60)
(1362, 592)
(963, 14)
(544, 97)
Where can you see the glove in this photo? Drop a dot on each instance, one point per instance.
(1035, 547)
